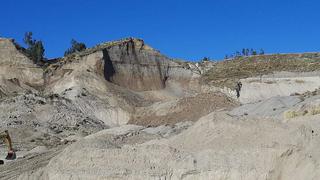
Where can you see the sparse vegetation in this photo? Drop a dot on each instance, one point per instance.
(226, 73)
(299, 81)
(270, 82)
(75, 47)
(206, 59)
(35, 49)
(312, 110)
(245, 52)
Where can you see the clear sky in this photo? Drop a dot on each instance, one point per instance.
(186, 29)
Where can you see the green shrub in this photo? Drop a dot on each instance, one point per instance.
(35, 49)
(75, 47)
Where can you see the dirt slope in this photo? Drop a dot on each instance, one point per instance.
(216, 146)
(182, 109)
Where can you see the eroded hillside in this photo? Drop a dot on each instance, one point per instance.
(122, 110)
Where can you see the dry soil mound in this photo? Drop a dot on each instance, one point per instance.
(216, 146)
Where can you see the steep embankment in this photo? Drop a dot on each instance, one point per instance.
(105, 86)
(126, 77)
(266, 76)
(25, 105)
(17, 71)
(129, 63)
(34, 119)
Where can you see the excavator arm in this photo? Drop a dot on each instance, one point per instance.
(7, 140)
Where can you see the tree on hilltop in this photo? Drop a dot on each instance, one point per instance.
(244, 53)
(75, 47)
(35, 49)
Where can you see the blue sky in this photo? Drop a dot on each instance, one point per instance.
(178, 28)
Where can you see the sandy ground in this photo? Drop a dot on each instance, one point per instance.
(216, 146)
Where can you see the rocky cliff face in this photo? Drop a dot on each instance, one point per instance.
(118, 74)
(10, 55)
(17, 72)
(132, 64)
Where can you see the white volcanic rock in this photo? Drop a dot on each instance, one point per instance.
(278, 84)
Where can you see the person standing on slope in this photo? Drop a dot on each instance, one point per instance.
(238, 88)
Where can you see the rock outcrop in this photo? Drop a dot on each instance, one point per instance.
(11, 55)
(132, 64)
(137, 66)
(118, 74)
(17, 71)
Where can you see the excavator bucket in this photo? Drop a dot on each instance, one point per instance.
(7, 140)
(11, 155)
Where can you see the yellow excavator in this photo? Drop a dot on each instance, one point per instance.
(7, 140)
